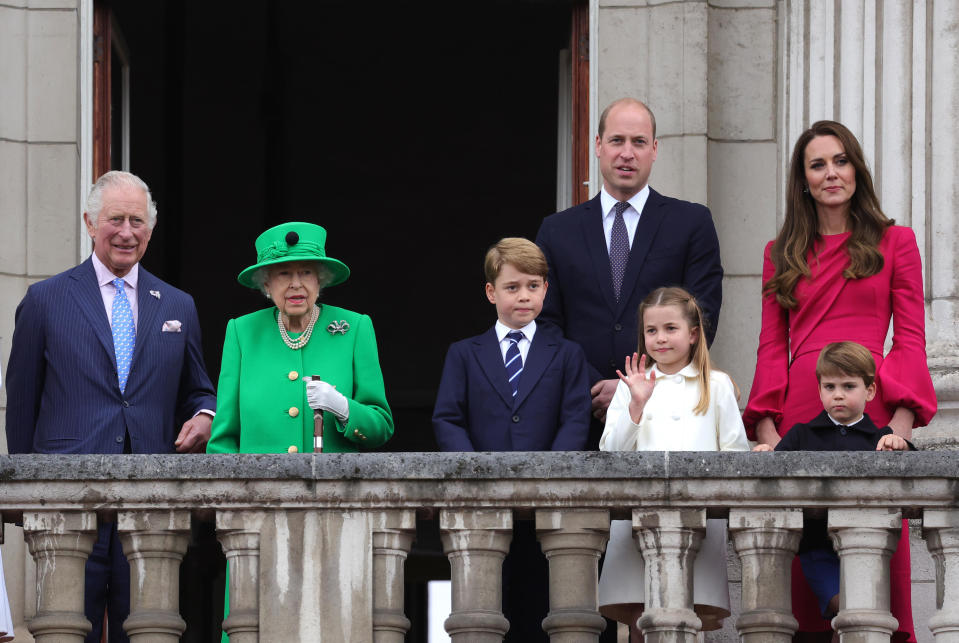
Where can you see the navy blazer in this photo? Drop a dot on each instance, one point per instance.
(62, 390)
(475, 408)
(675, 245)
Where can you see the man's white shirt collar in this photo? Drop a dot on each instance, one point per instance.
(631, 215)
(105, 276)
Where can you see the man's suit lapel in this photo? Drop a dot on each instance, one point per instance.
(490, 359)
(147, 308)
(541, 352)
(86, 294)
(651, 218)
(595, 239)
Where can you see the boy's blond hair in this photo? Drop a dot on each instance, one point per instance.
(846, 358)
(522, 254)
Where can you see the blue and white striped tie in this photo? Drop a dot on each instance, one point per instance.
(514, 361)
(124, 333)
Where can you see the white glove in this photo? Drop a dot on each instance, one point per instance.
(323, 396)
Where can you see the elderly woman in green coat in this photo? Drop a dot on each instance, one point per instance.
(263, 403)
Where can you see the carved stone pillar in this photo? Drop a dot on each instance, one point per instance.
(239, 534)
(669, 540)
(865, 540)
(60, 543)
(476, 542)
(393, 533)
(154, 542)
(573, 542)
(941, 528)
(766, 541)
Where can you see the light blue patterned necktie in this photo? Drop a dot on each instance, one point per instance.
(124, 333)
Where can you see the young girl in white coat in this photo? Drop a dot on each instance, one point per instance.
(679, 404)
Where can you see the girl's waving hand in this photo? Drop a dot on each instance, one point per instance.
(640, 387)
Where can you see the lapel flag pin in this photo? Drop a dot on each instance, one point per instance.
(155, 293)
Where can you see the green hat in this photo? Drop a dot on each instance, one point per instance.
(293, 242)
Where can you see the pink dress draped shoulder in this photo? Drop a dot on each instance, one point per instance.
(832, 308)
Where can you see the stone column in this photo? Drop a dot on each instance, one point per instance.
(239, 534)
(154, 542)
(669, 540)
(865, 540)
(573, 542)
(766, 541)
(393, 533)
(476, 542)
(60, 543)
(941, 528)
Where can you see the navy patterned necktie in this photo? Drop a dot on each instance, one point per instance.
(514, 361)
(618, 248)
(124, 333)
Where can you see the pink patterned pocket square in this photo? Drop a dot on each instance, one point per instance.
(172, 326)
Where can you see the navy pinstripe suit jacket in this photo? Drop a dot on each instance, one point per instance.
(62, 391)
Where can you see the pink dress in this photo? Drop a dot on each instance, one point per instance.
(832, 308)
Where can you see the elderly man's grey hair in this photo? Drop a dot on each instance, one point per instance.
(118, 178)
(262, 276)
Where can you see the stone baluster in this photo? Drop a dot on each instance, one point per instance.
(154, 542)
(766, 541)
(239, 534)
(476, 542)
(941, 529)
(669, 540)
(573, 541)
(865, 540)
(393, 533)
(60, 543)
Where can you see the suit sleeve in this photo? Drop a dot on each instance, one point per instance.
(196, 390)
(768, 393)
(704, 272)
(370, 423)
(451, 412)
(225, 434)
(904, 373)
(26, 372)
(575, 407)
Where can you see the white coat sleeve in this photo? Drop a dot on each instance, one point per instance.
(729, 422)
(620, 434)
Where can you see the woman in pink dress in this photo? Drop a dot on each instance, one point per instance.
(838, 271)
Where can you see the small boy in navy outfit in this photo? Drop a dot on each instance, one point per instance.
(846, 372)
(517, 387)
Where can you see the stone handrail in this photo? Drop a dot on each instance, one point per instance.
(316, 543)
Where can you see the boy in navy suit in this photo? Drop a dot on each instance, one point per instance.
(846, 372)
(516, 387)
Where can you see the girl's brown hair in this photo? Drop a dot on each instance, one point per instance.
(800, 229)
(693, 315)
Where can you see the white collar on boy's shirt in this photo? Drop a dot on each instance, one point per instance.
(528, 331)
(107, 291)
(838, 423)
(630, 216)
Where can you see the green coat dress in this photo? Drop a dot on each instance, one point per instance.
(261, 396)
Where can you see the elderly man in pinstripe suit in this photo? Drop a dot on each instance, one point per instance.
(106, 358)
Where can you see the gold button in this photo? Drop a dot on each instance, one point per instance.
(293, 376)
(293, 449)
(294, 411)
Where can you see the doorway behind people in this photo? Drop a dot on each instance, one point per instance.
(417, 134)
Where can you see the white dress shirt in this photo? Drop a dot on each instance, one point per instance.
(668, 422)
(631, 214)
(528, 331)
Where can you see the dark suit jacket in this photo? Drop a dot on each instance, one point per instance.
(675, 245)
(62, 391)
(475, 409)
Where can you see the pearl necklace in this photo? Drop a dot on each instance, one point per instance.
(302, 340)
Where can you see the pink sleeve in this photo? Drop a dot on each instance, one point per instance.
(768, 392)
(904, 374)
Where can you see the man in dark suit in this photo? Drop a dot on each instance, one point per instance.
(607, 254)
(106, 358)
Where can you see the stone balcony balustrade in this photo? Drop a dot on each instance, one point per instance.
(317, 543)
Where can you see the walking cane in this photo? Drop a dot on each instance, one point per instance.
(317, 424)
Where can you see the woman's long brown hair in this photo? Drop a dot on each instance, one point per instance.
(800, 230)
